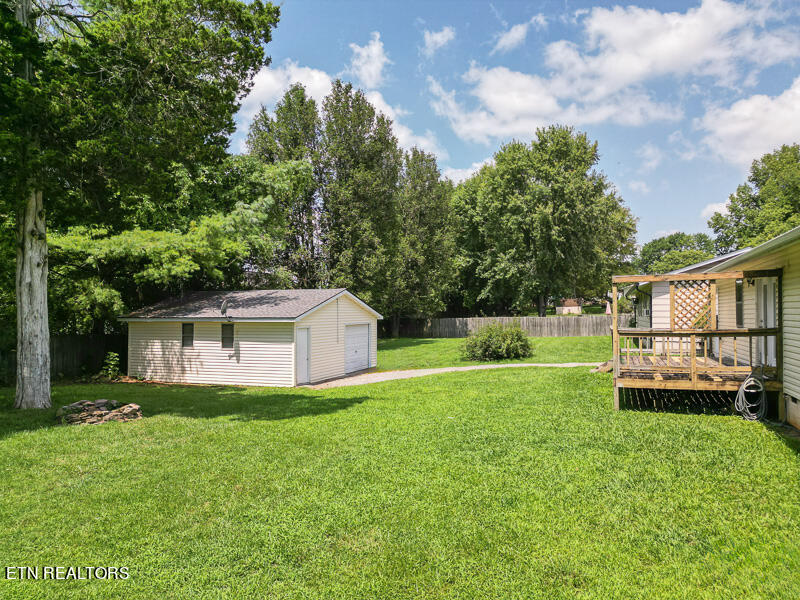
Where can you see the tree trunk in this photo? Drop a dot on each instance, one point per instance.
(542, 305)
(33, 332)
(395, 326)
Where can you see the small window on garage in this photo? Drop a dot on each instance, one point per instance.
(227, 335)
(187, 335)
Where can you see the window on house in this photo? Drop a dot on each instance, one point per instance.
(187, 335)
(227, 335)
(739, 303)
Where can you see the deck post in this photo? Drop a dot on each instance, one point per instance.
(693, 358)
(615, 342)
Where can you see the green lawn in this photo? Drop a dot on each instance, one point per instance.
(518, 483)
(424, 353)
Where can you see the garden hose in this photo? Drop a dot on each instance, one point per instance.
(752, 387)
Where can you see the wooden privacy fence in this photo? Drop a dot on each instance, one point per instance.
(457, 327)
(72, 355)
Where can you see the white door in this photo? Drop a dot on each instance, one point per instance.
(766, 312)
(356, 348)
(303, 344)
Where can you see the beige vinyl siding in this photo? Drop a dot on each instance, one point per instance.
(660, 309)
(787, 258)
(262, 353)
(726, 295)
(327, 336)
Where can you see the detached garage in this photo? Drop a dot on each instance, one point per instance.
(257, 337)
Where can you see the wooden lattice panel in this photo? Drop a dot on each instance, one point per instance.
(691, 305)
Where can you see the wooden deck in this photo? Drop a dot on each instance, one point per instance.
(676, 372)
(683, 355)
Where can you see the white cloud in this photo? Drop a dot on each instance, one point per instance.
(651, 156)
(664, 233)
(368, 62)
(435, 40)
(627, 46)
(715, 207)
(639, 187)
(512, 103)
(405, 136)
(510, 39)
(602, 78)
(270, 84)
(684, 148)
(459, 175)
(753, 126)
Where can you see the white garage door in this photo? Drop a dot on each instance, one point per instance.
(356, 348)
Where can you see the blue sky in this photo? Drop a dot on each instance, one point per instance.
(681, 97)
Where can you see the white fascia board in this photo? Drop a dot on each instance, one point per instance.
(341, 294)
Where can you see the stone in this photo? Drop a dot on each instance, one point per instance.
(94, 412)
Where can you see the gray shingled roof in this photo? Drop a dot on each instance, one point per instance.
(250, 304)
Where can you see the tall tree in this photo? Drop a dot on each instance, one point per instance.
(361, 167)
(546, 222)
(674, 251)
(96, 274)
(423, 261)
(294, 134)
(122, 89)
(767, 205)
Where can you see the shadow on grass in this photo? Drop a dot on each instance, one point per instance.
(400, 343)
(701, 402)
(195, 402)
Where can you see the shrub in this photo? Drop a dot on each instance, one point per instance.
(110, 368)
(497, 342)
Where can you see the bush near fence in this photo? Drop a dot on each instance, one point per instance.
(71, 355)
(459, 327)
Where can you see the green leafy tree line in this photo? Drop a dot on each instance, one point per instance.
(540, 222)
(377, 219)
(98, 100)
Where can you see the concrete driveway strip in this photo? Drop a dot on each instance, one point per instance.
(365, 378)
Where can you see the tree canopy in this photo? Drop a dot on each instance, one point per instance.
(674, 251)
(540, 222)
(767, 205)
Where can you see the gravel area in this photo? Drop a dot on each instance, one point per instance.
(377, 376)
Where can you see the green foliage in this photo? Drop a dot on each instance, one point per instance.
(360, 172)
(767, 205)
(294, 134)
(497, 342)
(540, 222)
(674, 251)
(422, 266)
(110, 369)
(97, 274)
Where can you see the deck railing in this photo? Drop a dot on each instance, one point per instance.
(694, 353)
(691, 354)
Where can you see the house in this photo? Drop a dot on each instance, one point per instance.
(719, 322)
(651, 298)
(256, 337)
(569, 306)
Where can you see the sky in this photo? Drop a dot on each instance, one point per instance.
(680, 96)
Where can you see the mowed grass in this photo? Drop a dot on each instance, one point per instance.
(518, 483)
(426, 353)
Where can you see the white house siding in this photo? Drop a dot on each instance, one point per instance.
(327, 336)
(787, 258)
(726, 294)
(262, 353)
